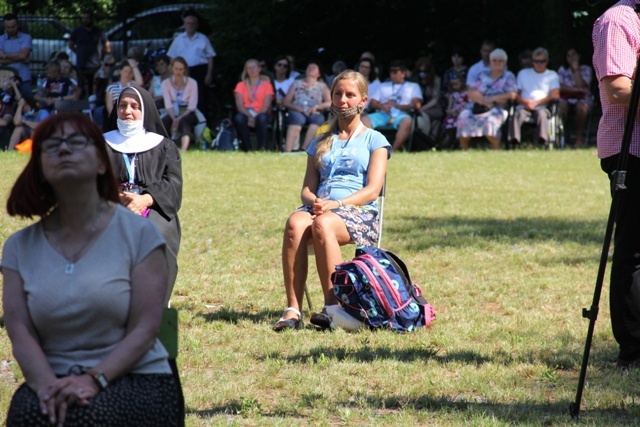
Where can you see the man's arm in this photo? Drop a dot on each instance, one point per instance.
(208, 79)
(617, 89)
(23, 55)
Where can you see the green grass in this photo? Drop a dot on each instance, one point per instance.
(505, 245)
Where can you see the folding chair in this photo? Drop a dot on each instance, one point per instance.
(168, 336)
(381, 198)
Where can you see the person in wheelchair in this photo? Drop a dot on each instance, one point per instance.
(575, 81)
(537, 87)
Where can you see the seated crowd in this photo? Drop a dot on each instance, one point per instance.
(414, 102)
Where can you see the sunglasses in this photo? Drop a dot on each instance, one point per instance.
(539, 61)
(109, 64)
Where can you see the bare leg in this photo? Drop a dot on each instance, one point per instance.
(581, 118)
(295, 263)
(329, 233)
(465, 142)
(16, 136)
(293, 133)
(402, 135)
(494, 141)
(184, 142)
(311, 133)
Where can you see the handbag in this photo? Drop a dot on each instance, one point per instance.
(479, 108)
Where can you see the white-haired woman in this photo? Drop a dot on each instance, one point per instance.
(345, 172)
(488, 97)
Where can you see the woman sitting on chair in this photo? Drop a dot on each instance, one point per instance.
(306, 100)
(575, 80)
(180, 93)
(345, 172)
(253, 95)
(83, 291)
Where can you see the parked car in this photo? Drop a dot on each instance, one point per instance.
(151, 30)
(48, 38)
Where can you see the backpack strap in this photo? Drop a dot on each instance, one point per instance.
(405, 271)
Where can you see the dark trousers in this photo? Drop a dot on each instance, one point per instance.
(625, 268)
(242, 127)
(198, 73)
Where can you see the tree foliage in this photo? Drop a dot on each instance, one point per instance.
(333, 29)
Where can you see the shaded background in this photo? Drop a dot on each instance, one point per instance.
(329, 30)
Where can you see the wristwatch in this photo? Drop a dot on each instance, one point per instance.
(99, 378)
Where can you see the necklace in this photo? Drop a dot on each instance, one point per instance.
(71, 259)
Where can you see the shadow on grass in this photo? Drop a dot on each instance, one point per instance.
(234, 317)
(467, 405)
(423, 232)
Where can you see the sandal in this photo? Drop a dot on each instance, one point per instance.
(283, 323)
(323, 320)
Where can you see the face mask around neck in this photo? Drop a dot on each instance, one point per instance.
(130, 128)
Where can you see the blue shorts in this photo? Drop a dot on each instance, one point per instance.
(380, 118)
(296, 118)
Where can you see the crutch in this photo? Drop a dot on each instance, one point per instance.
(618, 185)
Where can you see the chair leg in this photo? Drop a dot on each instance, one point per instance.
(176, 376)
(306, 294)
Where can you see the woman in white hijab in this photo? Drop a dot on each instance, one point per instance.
(148, 166)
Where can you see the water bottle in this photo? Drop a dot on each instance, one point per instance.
(40, 82)
(305, 105)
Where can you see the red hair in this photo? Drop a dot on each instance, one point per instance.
(31, 194)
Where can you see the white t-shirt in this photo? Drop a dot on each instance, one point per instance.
(401, 93)
(195, 50)
(536, 86)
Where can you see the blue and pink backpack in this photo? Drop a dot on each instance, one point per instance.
(375, 288)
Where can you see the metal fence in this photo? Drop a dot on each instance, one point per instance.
(149, 31)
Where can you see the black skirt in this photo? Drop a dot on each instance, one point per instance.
(134, 400)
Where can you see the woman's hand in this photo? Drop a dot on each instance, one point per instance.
(56, 398)
(488, 101)
(175, 124)
(321, 206)
(251, 122)
(136, 203)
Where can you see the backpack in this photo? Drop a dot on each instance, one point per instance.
(375, 288)
(225, 139)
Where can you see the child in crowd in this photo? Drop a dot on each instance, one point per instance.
(28, 115)
(457, 101)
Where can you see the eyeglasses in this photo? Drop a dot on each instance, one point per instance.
(281, 64)
(75, 142)
(539, 61)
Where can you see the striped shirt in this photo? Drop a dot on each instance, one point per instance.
(616, 45)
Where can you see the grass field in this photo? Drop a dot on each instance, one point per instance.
(505, 245)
